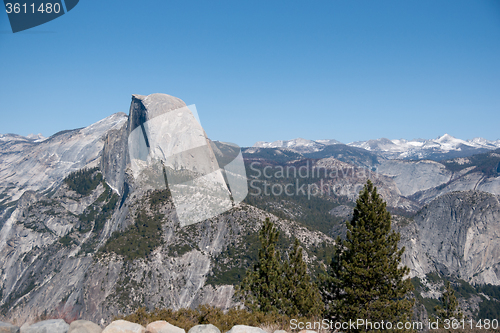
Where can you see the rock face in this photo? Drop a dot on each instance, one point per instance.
(423, 181)
(456, 234)
(115, 156)
(469, 181)
(166, 143)
(413, 176)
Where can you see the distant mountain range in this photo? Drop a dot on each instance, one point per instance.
(441, 148)
(16, 137)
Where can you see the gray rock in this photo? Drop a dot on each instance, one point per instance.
(342, 211)
(123, 326)
(204, 329)
(470, 181)
(181, 153)
(280, 331)
(245, 329)
(413, 176)
(8, 328)
(161, 326)
(47, 326)
(84, 326)
(456, 234)
(114, 157)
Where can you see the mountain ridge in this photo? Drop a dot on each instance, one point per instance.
(40, 166)
(443, 147)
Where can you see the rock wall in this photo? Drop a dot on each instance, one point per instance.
(456, 234)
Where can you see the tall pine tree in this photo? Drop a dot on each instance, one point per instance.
(274, 286)
(262, 288)
(449, 308)
(365, 280)
(302, 297)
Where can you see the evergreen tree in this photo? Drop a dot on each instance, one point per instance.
(302, 297)
(262, 287)
(449, 308)
(284, 288)
(365, 280)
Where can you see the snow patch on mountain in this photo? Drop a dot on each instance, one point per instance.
(299, 145)
(299, 142)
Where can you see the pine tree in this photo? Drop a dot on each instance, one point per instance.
(449, 308)
(365, 280)
(284, 288)
(262, 288)
(302, 297)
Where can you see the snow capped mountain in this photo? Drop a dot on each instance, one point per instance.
(299, 142)
(299, 145)
(37, 137)
(443, 147)
(480, 142)
(15, 137)
(329, 142)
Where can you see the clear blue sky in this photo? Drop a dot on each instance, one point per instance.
(263, 70)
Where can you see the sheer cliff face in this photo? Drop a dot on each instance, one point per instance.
(166, 143)
(456, 234)
(423, 181)
(115, 155)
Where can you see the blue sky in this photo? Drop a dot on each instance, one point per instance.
(263, 70)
